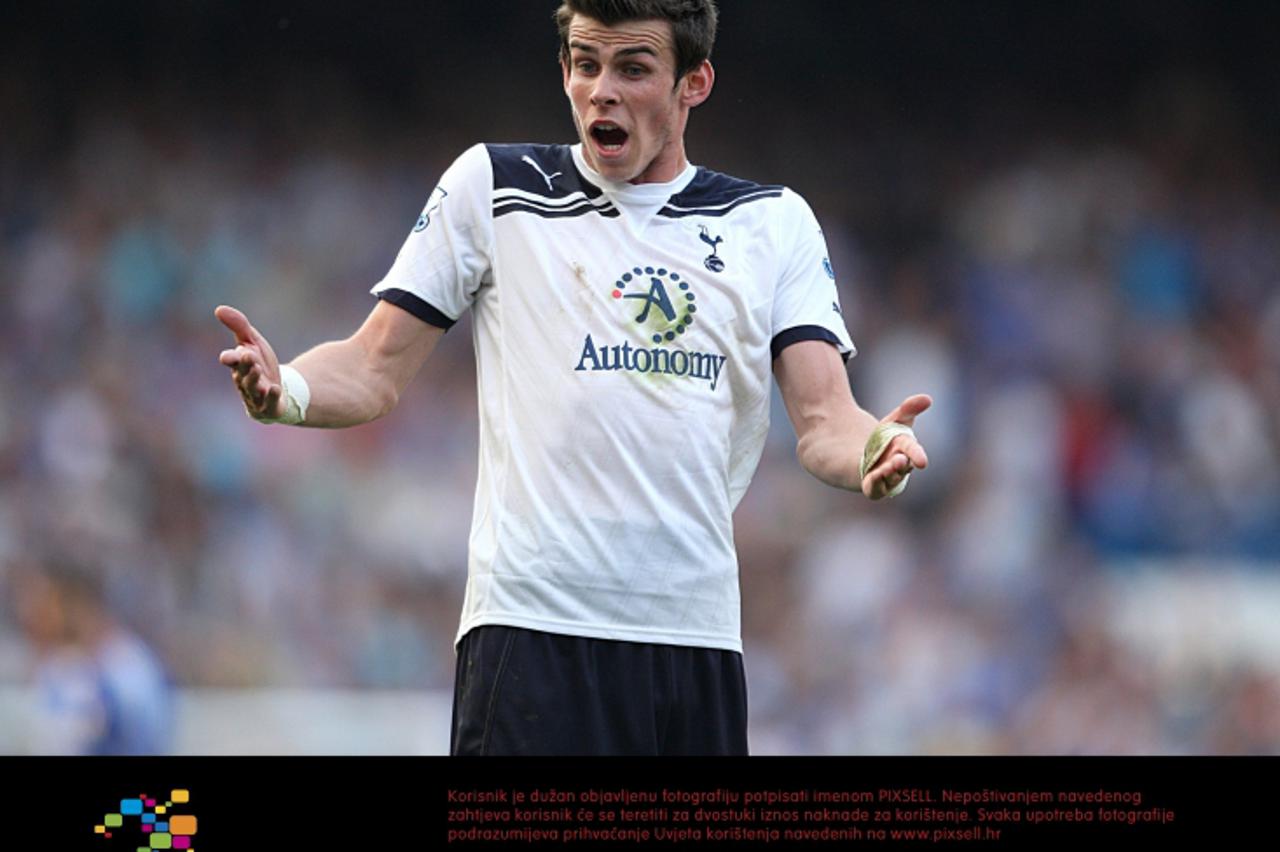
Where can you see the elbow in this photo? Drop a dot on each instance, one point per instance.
(378, 393)
(805, 450)
(376, 376)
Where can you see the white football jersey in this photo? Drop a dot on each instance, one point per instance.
(624, 339)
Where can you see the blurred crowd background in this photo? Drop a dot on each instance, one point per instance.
(1063, 223)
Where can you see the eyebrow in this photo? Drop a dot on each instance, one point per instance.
(626, 51)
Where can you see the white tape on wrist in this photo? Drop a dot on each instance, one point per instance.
(296, 390)
(296, 398)
(876, 444)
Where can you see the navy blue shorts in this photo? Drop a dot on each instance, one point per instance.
(525, 692)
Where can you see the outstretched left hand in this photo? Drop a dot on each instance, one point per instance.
(901, 455)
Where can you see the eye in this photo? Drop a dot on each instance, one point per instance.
(586, 66)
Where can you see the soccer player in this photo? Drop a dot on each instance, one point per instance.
(100, 687)
(629, 308)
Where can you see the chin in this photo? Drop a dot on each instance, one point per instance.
(619, 173)
(614, 171)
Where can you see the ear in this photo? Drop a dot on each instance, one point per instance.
(564, 69)
(696, 85)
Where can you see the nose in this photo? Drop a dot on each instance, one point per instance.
(605, 91)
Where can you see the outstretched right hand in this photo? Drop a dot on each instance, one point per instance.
(254, 367)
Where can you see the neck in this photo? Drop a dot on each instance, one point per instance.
(666, 167)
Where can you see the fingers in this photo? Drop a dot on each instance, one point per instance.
(901, 457)
(236, 322)
(272, 399)
(884, 477)
(261, 395)
(897, 466)
(906, 447)
(915, 453)
(255, 386)
(254, 370)
(241, 360)
(232, 357)
(247, 338)
(910, 408)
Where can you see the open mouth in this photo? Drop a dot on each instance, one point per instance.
(609, 136)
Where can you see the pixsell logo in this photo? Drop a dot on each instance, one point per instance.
(157, 823)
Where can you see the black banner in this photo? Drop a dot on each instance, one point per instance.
(213, 804)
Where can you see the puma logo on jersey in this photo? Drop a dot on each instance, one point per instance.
(537, 168)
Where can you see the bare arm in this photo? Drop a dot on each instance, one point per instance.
(352, 381)
(832, 427)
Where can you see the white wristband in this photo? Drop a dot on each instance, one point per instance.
(297, 395)
(297, 389)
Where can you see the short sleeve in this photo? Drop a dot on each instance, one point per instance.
(806, 304)
(447, 256)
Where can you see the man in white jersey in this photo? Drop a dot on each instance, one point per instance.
(629, 308)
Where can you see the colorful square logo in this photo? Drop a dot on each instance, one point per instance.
(171, 831)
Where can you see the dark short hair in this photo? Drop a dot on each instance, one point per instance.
(693, 23)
